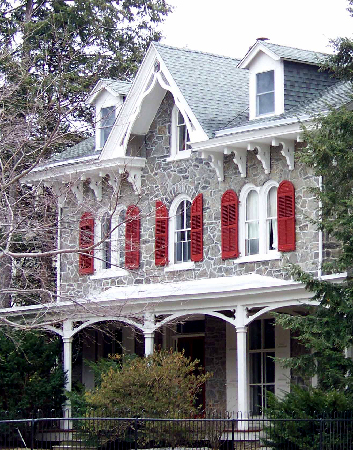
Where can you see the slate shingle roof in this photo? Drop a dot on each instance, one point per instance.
(80, 150)
(334, 97)
(119, 87)
(214, 88)
(296, 54)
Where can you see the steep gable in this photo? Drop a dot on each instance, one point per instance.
(214, 88)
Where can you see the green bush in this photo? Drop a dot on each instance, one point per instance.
(305, 419)
(31, 373)
(162, 385)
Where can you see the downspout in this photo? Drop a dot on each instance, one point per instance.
(58, 257)
(319, 272)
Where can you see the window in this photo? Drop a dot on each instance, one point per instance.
(271, 220)
(261, 363)
(182, 134)
(265, 92)
(258, 221)
(180, 137)
(252, 223)
(110, 231)
(182, 233)
(107, 119)
(106, 236)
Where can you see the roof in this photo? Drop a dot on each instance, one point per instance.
(84, 148)
(118, 86)
(296, 54)
(212, 85)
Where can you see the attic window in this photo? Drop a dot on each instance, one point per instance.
(265, 93)
(106, 123)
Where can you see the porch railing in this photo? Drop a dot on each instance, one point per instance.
(91, 433)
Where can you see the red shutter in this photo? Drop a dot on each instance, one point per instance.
(229, 225)
(197, 229)
(132, 238)
(161, 235)
(286, 216)
(86, 239)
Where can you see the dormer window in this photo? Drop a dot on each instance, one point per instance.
(106, 123)
(265, 93)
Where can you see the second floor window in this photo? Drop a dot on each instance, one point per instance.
(252, 224)
(265, 92)
(182, 134)
(107, 118)
(182, 233)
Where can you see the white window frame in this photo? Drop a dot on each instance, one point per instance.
(100, 127)
(263, 93)
(171, 236)
(264, 254)
(175, 154)
(114, 270)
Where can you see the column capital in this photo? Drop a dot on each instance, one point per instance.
(242, 329)
(67, 340)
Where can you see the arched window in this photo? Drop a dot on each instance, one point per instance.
(106, 236)
(259, 222)
(182, 233)
(271, 219)
(110, 231)
(252, 232)
(180, 147)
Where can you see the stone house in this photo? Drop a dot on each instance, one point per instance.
(191, 203)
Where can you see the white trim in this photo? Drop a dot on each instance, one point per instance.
(171, 232)
(175, 153)
(181, 266)
(263, 254)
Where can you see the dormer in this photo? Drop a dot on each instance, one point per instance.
(281, 77)
(266, 81)
(107, 97)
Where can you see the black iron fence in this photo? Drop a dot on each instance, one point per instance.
(92, 433)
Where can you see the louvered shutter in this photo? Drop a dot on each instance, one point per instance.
(132, 238)
(286, 216)
(197, 229)
(161, 235)
(229, 225)
(86, 239)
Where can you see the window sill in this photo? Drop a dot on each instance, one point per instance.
(180, 155)
(181, 266)
(109, 273)
(260, 257)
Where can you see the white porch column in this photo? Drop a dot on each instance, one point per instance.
(242, 372)
(149, 342)
(67, 341)
(68, 362)
(240, 319)
(148, 332)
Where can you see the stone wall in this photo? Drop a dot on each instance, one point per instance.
(164, 180)
(215, 362)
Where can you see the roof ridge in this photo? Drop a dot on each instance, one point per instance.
(294, 48)
(195, 51)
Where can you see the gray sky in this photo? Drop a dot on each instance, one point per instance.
(230, 27)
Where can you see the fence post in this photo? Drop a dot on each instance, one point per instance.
(32, 433)
(136, 436)
(321, 433)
